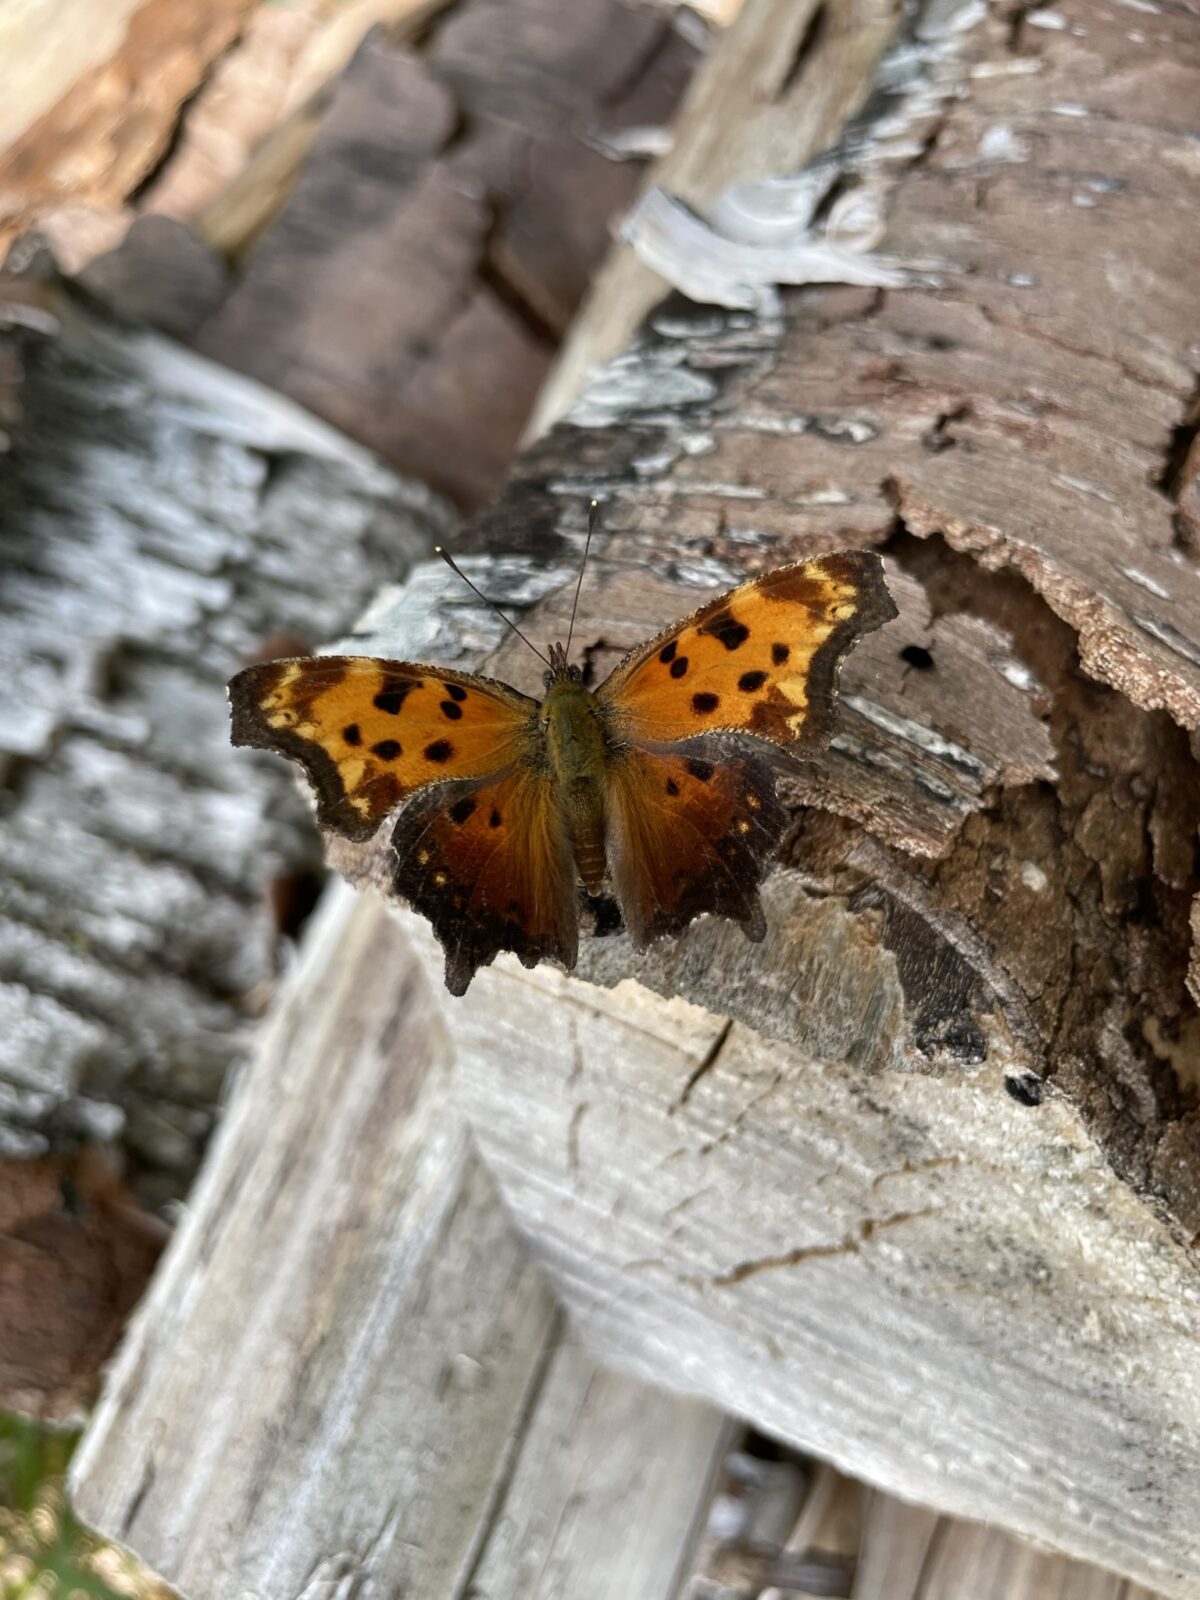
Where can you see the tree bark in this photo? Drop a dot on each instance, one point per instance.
(164, 522)
(916, 1182)
(979, 984)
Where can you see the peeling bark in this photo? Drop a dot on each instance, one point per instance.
(1011, 804)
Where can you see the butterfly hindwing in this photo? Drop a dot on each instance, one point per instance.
(760, 660)
(490, 865)
(691, 829)
(370, 733)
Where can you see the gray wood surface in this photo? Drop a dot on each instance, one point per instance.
(349, 1376)
(162, 522)
(948, 1293)
(916, 1183)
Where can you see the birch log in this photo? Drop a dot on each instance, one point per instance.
(915, 1183)
(930, 1204)
(164, 521)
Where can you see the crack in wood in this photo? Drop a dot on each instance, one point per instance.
(703, 1067)
(867, 1230)
(573, 1128)
(710, 1145)
(491, 1516)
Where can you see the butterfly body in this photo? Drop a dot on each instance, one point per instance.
(657, 785)
(579, 753)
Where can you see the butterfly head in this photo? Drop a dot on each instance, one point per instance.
(561, 670)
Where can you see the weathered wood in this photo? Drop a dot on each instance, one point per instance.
(164, 522)
(941, 1289)
(348, 1365)
(394, 1399)
(930, 1206)
(776, 93)
(900, 1552)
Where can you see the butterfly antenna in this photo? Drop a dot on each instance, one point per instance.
(593, 516)
(454, 567)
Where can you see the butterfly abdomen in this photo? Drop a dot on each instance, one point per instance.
(576, 748)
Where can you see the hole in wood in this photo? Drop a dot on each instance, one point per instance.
(917, 656)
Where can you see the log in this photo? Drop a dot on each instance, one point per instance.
(348, 1363)
(954, 1090)
(914, 1183)
(164, 522)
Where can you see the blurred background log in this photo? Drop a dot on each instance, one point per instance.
(164, 521)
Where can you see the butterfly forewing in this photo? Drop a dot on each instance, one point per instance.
(760, 660)
(370, 733)
(490, 865)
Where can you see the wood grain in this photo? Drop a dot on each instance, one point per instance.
(348, 1364)
(942, 1290)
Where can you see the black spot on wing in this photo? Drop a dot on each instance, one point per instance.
(667, 653)
(352, 734)
(705, 704)
(462, 809)
(725, 627)
(679, 666)
(749, 682)
(387, 749)
(702, 771)
(780, 653)
(672, 786)
(495, 819)
(455, 691)
(451, 710)
(439, 751)
(394, 693)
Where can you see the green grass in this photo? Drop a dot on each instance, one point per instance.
(45, 1552)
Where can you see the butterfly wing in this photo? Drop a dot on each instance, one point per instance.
(490, 865)
(370, 733)
(691, 829)
(693, 816)
(760, 660)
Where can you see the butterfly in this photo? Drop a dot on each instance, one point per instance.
(657, 785)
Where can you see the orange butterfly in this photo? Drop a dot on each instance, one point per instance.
(657, 782)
